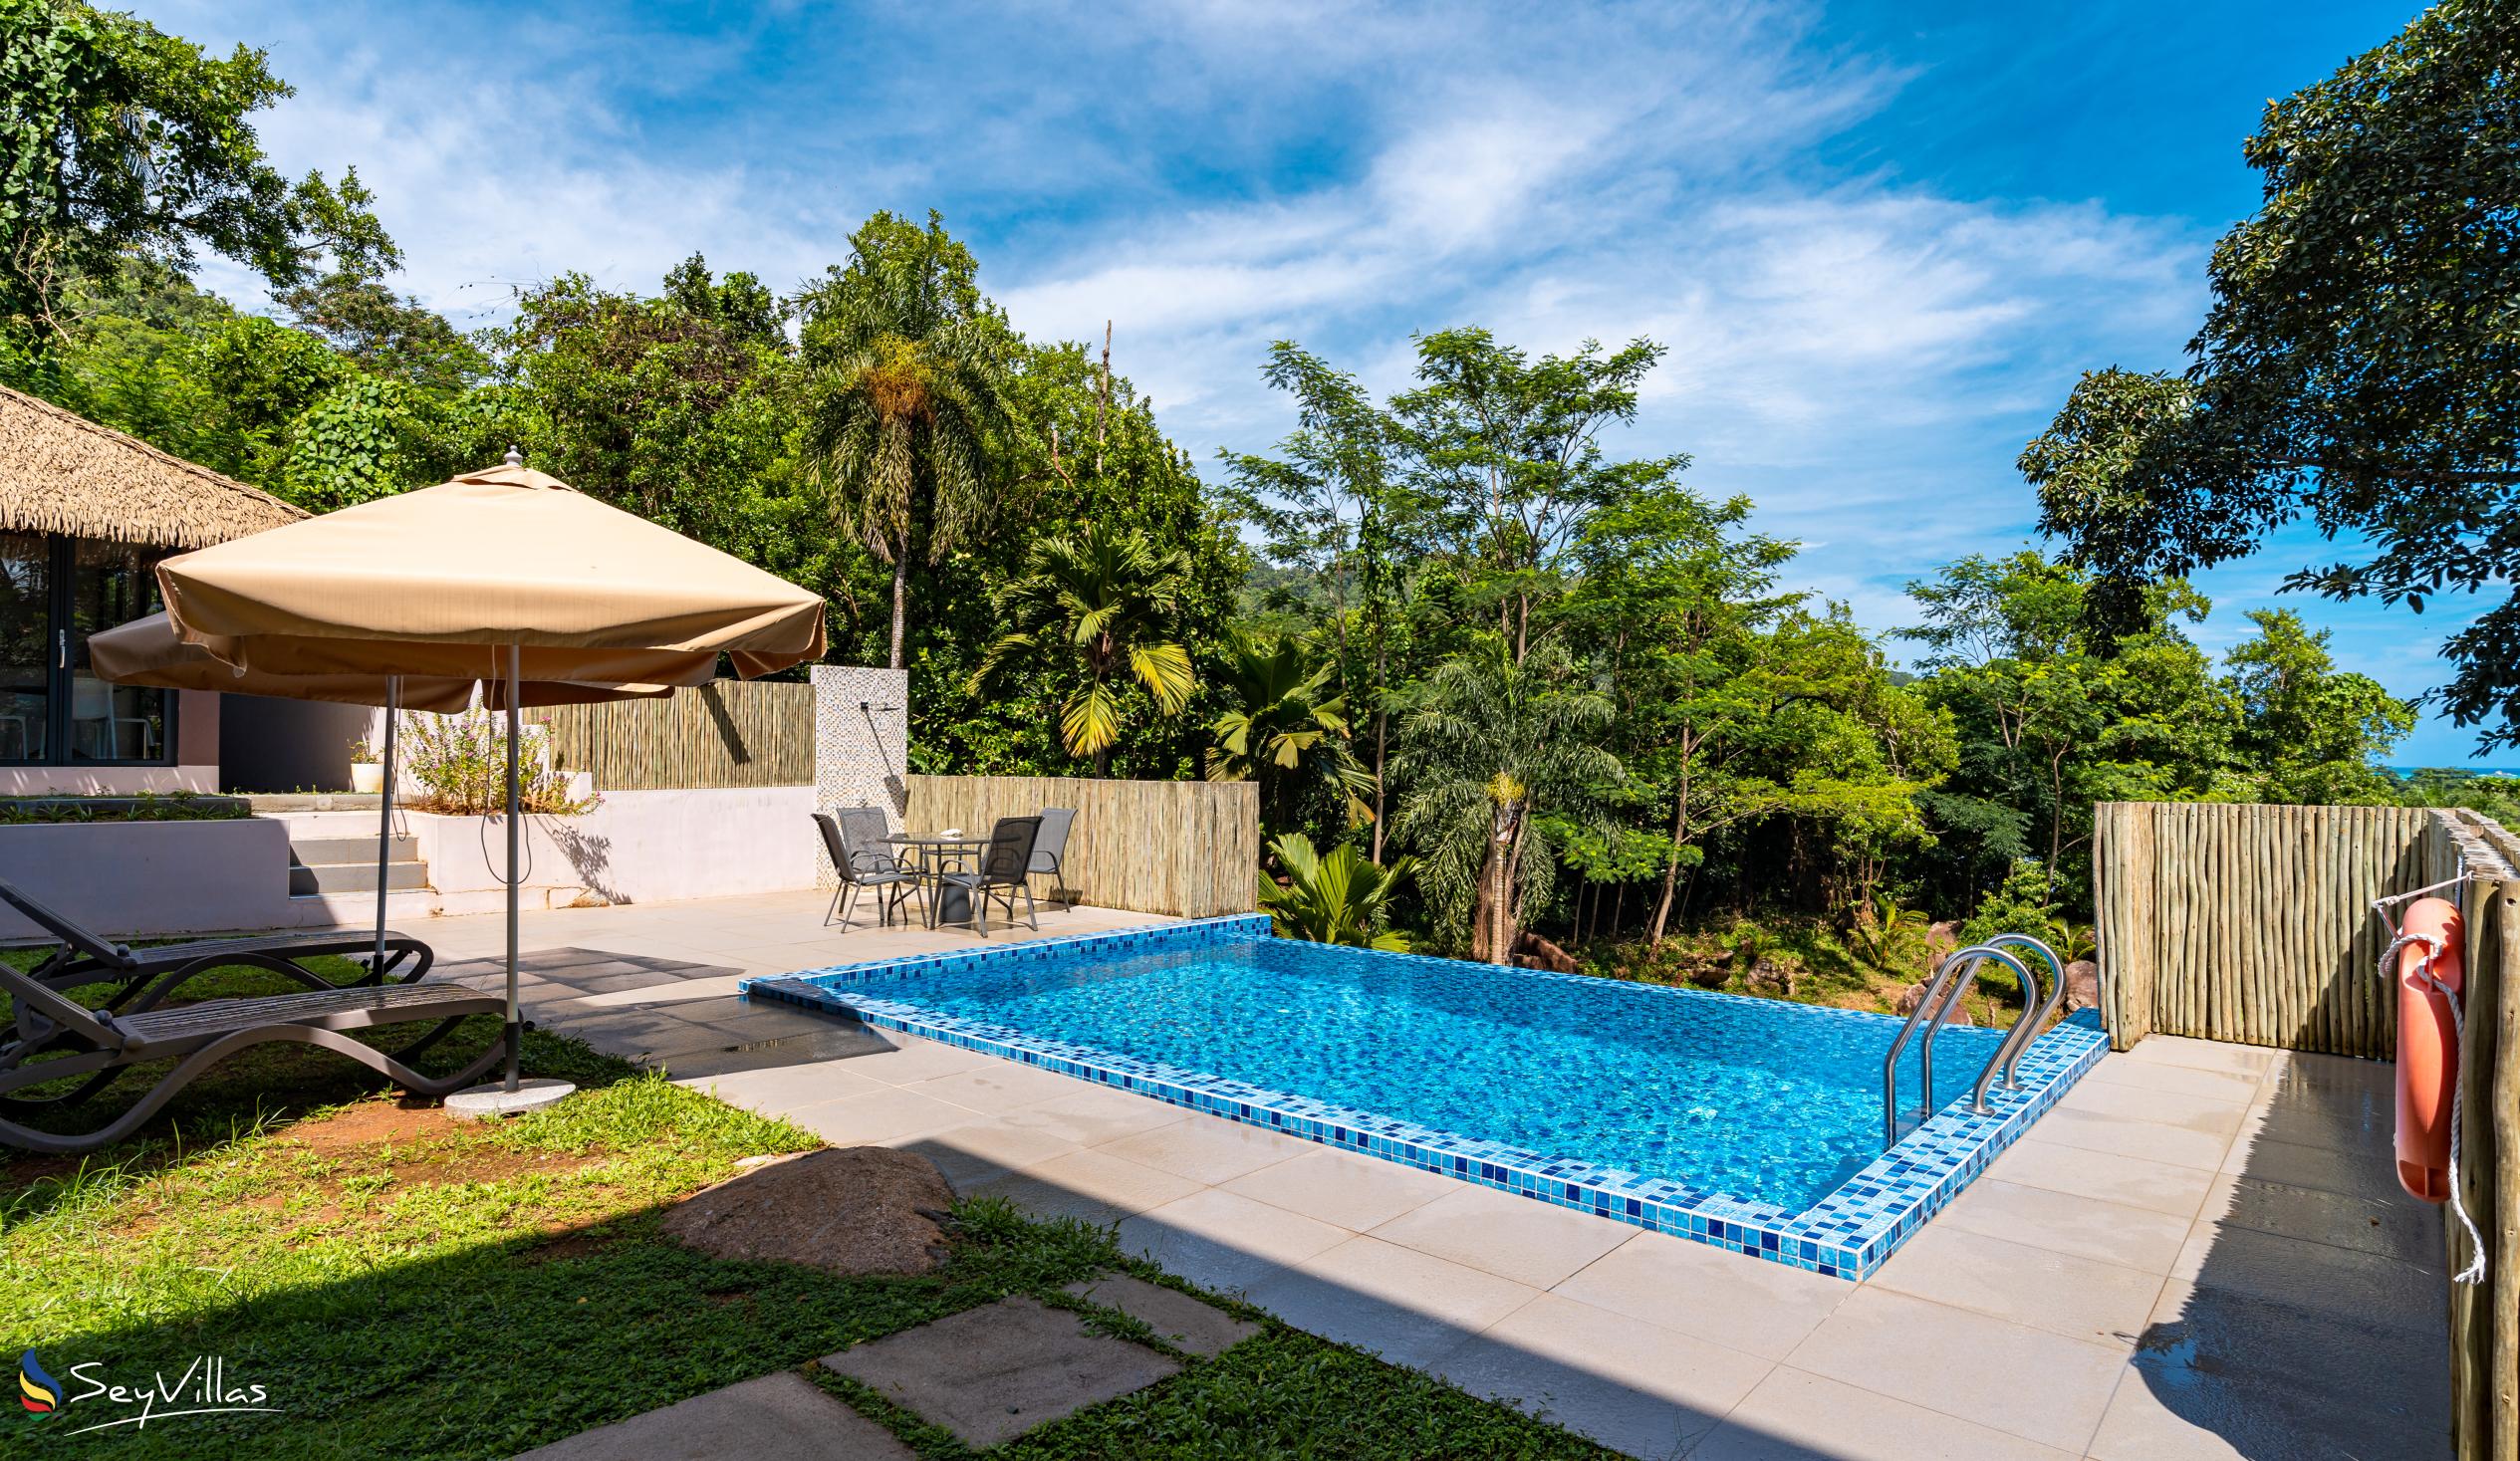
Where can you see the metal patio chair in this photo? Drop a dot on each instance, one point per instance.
(1005, 867)
(859, 858)
(1050, 849)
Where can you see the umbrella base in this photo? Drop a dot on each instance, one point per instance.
(483, 1102)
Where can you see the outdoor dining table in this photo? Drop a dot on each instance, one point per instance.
(938, 854)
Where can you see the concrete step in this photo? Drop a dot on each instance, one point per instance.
(269, 804)
(330, 824)
(346, 878)
(319, 851)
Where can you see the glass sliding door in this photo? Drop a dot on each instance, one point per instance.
(112, 584)
(26, 649)
(54, 711)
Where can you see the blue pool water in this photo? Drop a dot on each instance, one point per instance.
(1752, 1098)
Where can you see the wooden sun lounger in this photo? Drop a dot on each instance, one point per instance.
(148, 975)
(99, 1046)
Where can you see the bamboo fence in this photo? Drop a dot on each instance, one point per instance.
(728, 733)
(1190, 848)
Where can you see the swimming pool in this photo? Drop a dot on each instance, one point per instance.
(1751, 1123)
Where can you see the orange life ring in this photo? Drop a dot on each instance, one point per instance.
(2427, 1047)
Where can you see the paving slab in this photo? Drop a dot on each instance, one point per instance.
(1177, 1318)
(1795, 1416)
(989, 1375)
(777, 1417)
(1634, 1385)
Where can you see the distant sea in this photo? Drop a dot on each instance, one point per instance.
(2404, 772)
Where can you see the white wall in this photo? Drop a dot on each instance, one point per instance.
(130, 879)
(635, 847)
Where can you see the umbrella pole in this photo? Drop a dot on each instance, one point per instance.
(385, 823)
(512, 1094)
(514, 1032)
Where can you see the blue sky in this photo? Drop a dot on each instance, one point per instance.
(1880, 239)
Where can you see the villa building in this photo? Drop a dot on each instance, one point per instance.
(86, 512)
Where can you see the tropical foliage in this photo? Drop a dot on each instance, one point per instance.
(1105, 600)
(906, 384)
(1283, 729)
(1337, 898)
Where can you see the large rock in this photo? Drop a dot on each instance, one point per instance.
(1941, 941)
(844, 1210)
(2082, 985)
(1770, 979)
(1915, 995)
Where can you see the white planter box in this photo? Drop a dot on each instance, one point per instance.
(634, 847)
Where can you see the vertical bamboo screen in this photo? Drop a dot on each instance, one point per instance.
(728, 733)
(2251, 923)
(1185, 848)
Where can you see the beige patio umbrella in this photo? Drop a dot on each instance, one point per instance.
(146, 651)
(504, 574)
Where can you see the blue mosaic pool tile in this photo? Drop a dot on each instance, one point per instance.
(1848, 1233)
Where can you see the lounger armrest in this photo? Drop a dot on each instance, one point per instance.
(94, 1026)
(60, 926)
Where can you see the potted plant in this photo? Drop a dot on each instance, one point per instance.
(367, 768)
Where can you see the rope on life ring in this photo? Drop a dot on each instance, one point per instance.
(2434, 947)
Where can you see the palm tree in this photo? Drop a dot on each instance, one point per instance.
(907, 386)
(1492, 742)
(1110, 597)
(1341, 898)
(1281, 726)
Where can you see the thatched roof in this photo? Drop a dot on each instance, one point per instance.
(63, 473)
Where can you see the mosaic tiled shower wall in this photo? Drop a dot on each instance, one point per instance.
(862, 742)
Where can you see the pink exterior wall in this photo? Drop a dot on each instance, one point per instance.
(196, 766)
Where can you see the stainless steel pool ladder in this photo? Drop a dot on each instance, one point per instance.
(2034, 1011)
(1942, 993)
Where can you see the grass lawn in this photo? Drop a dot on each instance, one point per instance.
(405, 1286)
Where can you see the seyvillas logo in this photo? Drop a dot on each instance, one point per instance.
(202, 1387)
(36, 1391)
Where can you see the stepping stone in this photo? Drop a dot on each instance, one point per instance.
(1177, 1318)
(990, 1375)
(777, 1417)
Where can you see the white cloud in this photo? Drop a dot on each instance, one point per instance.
(1862, 353)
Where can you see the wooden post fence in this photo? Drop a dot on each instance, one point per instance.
(2251, 923)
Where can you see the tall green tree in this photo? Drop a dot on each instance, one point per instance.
(675, 406)
(907, 392)
(2310, 732)
(1103, 603)
(1510, 448)
(123, 141)
(1676, 597)
(2353, 369)
(1498, 742)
